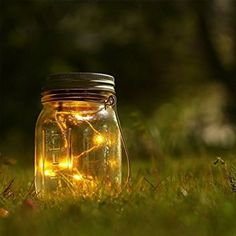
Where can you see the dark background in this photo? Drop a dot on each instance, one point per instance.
(174, 64)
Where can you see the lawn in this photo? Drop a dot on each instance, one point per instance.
(186, 196)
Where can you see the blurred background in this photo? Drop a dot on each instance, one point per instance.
(174, 64)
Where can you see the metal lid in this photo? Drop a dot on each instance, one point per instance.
(79, 81)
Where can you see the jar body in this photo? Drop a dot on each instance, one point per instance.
(77, 148)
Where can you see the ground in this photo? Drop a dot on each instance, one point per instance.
(185, 196)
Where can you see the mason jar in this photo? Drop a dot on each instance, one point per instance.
(77, 136)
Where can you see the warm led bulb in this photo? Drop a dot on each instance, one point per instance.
(80, 117)
(41, 164)
(50, 173)
(78, 177)
(65, 164)
(98, 139)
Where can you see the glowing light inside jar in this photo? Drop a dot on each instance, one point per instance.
(49, 173)
(78, 177)
(80, 117)
(98, 139)
(66, 167)
(65, 164)
(114, 164)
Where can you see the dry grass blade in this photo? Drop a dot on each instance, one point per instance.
(232, 182)
(232, 179)
(7, 192)
(31, 190)
(154, 188)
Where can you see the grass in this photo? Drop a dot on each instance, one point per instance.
(188, 196)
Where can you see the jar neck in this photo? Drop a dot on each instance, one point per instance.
(73, 95)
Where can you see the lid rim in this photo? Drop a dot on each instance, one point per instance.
(79, 80)
(81, 75)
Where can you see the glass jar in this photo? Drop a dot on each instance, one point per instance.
(77, 136)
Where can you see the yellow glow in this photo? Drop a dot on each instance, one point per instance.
(42, 165)
(113, 164)
(50, 173)
(98, 139)
(81, 117)
(65, 164)
(78, 177)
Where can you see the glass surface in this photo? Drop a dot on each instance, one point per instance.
(77, 148)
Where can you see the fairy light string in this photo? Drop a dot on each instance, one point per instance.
(98, 139)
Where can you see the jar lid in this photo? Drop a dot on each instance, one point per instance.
(79, 81)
